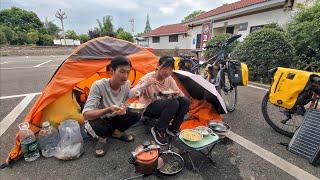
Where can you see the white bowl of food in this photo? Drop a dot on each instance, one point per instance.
(168, 93)
(206, 131)
(136, 107)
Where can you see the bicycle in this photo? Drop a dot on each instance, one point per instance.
(287, 120)
(217, 70)
(187, 62)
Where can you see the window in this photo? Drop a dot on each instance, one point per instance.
(198, 41)
(173, 38)
(156, 39)
(243, 26)
(254, 28)
(230, 30)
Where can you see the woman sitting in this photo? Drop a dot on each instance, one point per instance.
(169, 111)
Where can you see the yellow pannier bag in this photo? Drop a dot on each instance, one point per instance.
(287, 85)
(245, 74)
(176, 63)
(238, 73)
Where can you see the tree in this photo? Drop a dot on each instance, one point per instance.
(10, 35)
(140, 34)
(93, 33)
(21, 38)
(106, 26)
(32, 37)
(264, 49)
(192, 15)
(120, 29)
(51, 28)
(304, 33)
(125, 36)
(20, 20)
(71, 34)
(83, 38)
(3, 38)
(45, 40)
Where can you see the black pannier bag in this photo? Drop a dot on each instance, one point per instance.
(238, 73)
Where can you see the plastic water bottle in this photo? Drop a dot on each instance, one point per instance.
(28, 142)
(48, 139)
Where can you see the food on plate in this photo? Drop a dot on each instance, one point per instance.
(136, 105)
(191, 135)
(169, 91)
(203, 130)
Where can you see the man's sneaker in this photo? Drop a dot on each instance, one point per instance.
(172, 132)
(159, 137)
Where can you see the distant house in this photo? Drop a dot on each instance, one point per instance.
(241, 17)
(168, 37)
(141, 41)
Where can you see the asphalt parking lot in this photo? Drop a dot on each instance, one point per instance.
(252, 151)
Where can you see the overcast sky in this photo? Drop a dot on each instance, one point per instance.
(82, 14)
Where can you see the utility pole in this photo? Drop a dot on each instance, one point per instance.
(62, 15)
(132, 26)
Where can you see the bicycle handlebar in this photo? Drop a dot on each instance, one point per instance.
(224, 43)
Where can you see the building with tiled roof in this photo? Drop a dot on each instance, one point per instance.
(241, 17)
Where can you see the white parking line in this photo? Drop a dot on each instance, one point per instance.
(28, 67)
(272, 158)
(18, 95)
(12, 116)
(42, 63)
(256, 87)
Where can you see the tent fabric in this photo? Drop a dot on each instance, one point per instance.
(102, 48)
(77, 69)
(200, 113)
(76, 74)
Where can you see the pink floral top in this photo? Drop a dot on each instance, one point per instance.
(147, 95)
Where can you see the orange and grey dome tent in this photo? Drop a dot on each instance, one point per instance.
(66, 92)
(59, 100)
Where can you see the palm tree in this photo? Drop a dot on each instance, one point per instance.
(106, 26)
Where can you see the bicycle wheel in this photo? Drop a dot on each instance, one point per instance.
(228, 92)
(279, 118)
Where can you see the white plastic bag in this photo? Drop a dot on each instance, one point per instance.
(71, 143)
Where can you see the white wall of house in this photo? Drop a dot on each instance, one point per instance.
(193, 36)
(183, 43)
(275, 16)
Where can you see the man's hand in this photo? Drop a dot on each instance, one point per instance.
(113, 109)
(122, 111)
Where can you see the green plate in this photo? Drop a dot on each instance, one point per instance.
(204, 142)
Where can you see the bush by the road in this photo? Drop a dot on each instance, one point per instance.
(264, 49)
(32, 37)
(45, 40)
(125, 36)
(83, 38)
(304, 33)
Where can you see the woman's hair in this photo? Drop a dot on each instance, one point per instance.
(166, 61)
(118, 61)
